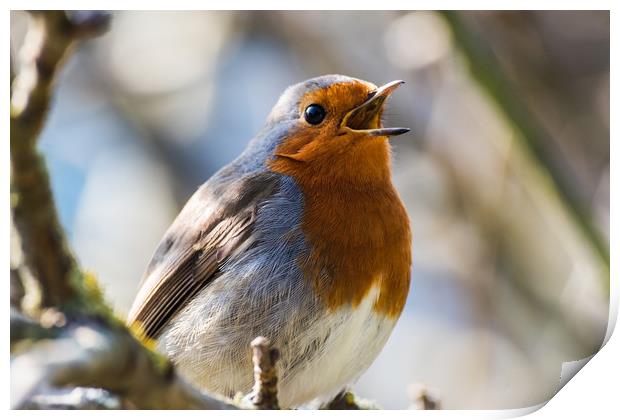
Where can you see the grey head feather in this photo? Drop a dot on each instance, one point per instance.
(285, 117)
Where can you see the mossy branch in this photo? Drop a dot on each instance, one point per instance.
(50, 36)
(91, 354)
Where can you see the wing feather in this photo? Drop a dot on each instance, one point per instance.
(212, 225)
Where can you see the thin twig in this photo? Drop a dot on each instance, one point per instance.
(265, 392)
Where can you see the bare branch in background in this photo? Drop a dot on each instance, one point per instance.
(487, 71)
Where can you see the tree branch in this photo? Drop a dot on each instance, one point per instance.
(265, 392)
(76, 399)
(93, 355)
(24, 328)
(49, 37)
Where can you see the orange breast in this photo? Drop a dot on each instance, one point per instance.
(357, 226)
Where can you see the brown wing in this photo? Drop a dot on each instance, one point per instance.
(212, 225)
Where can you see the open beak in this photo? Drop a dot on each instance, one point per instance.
(366, 118)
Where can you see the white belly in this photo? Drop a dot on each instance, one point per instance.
(357, 336)
(321, 353)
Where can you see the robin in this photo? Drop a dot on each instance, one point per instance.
(302, 239)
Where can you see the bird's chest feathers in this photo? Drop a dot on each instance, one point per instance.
(355, 225)
(359, 240)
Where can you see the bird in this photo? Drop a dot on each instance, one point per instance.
(302, 238)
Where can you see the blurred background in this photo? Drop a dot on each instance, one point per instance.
(505, 173)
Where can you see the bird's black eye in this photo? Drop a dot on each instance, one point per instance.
(314, 114)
